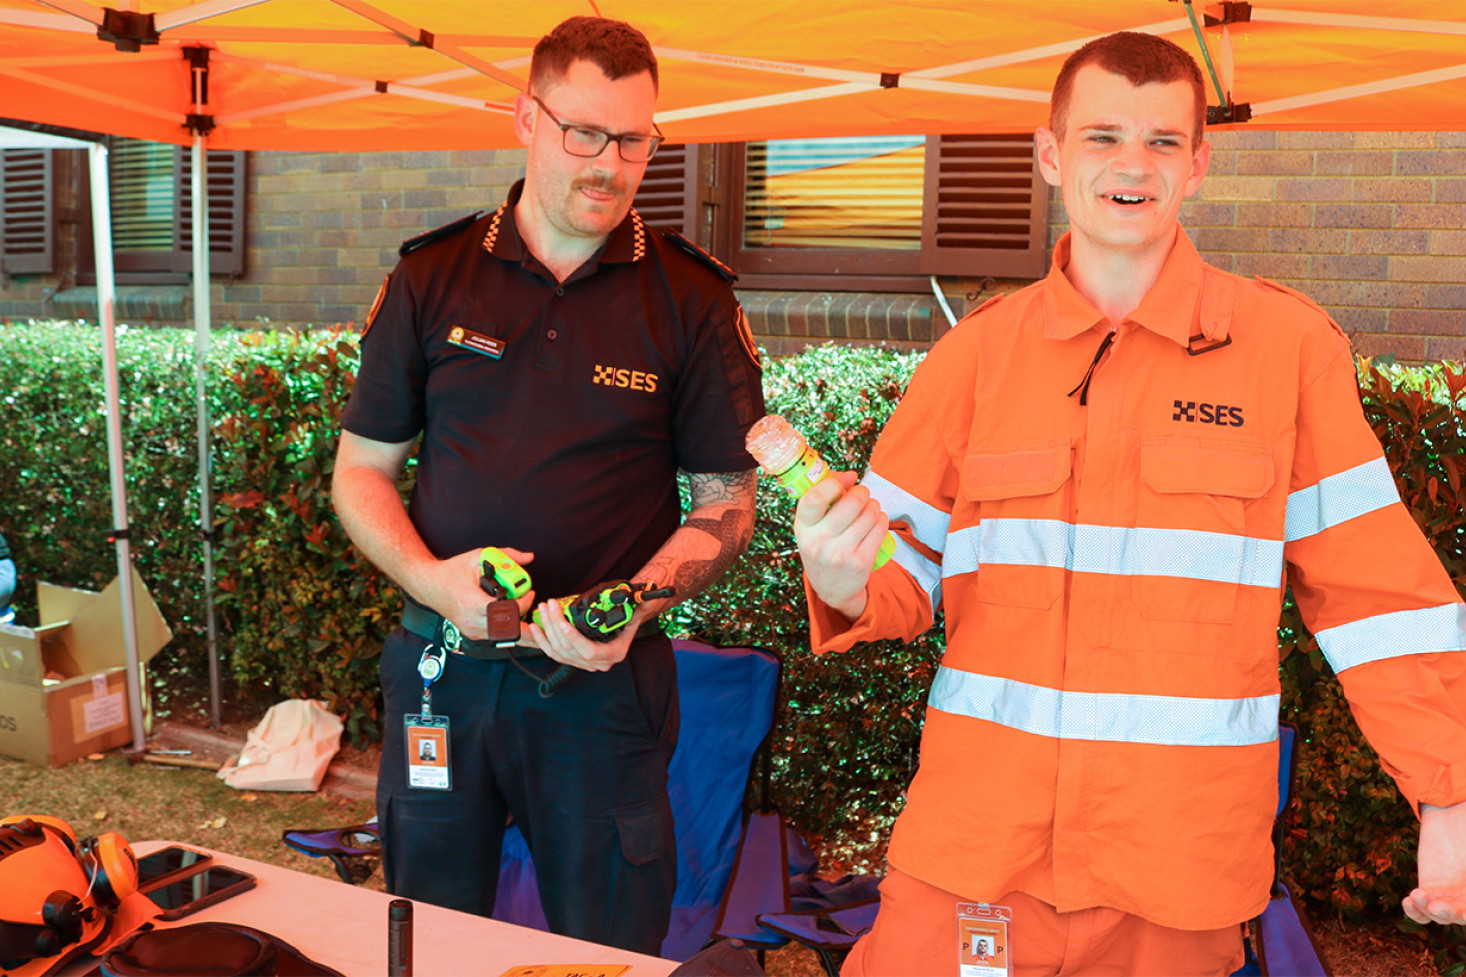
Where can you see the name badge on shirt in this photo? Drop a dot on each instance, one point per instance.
(477, 341)
(982, 940)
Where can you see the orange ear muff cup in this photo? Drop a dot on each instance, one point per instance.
(112, 864)
(47, 821)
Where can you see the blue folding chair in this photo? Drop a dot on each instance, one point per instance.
(759, 883)
(727, 698)
(828, 917)
(1279, 941)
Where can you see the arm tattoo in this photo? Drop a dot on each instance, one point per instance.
(733, 492)
(728, 488)
(732, 531)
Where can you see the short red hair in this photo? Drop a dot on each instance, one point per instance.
(614, 46)
(1141, 58)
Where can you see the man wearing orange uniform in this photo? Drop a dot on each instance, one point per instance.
(1102, 479)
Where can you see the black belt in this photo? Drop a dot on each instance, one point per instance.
(428, 625)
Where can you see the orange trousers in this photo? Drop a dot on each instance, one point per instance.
(915, 935)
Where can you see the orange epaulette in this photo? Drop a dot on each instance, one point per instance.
(982, 308)
(1269, 283)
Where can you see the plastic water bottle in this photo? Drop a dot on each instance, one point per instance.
(783, 453)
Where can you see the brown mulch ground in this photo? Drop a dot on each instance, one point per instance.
(1371, 950)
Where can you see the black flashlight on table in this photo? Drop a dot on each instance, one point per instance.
(399, 938)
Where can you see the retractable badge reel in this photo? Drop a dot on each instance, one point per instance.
(426, 733)
(983, 948)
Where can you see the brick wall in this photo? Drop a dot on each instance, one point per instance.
(1370, 225)
(324, 227)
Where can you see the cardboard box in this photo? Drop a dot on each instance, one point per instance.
(63, 685)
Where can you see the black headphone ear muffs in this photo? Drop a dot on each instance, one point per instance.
(111, 866)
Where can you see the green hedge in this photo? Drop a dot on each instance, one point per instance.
(305, 615)
(300, 610)
(54, 481)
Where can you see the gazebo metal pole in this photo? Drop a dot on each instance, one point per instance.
(107, 314)
(201, 324)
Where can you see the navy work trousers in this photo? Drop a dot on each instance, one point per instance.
(584, 774)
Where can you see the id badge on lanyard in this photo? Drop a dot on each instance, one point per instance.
(983, 949)
(427, 752)
(425, 734)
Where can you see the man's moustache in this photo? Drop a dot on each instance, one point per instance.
(612, 186)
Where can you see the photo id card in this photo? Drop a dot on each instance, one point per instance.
(427, 752)
(982, 940)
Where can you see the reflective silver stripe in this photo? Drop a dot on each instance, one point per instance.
(927, 522)
(1026, 542)
(1372, 639)
(1339, 498)
(927, 573)
(961, 554)
(1161, 720)
(1188, 553)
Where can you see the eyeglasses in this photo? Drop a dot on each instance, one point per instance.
(588, 143)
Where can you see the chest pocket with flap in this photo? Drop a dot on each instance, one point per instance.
(1193, 548)
(1020, 541)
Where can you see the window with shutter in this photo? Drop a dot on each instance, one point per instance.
(668, 193)
(152, 212)
(224, 179)
(985, 207)
(681, 191)
(883, 213)
(27, 212)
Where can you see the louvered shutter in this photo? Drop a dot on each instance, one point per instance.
(27, 212)
(985, 207)
(225, 180)
(668, 193)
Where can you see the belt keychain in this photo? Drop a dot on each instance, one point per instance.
(427, 734)
(434, 661)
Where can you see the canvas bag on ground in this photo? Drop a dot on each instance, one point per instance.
(290, 749)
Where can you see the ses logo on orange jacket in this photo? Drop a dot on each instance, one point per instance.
(1219, 414)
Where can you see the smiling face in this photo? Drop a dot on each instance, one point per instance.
(1125, 160)
(570, 198)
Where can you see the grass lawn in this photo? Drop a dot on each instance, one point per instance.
(146, 801)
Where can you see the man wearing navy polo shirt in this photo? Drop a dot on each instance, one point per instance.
(561, 362)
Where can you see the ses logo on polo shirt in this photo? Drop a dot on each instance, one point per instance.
(611, 376)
